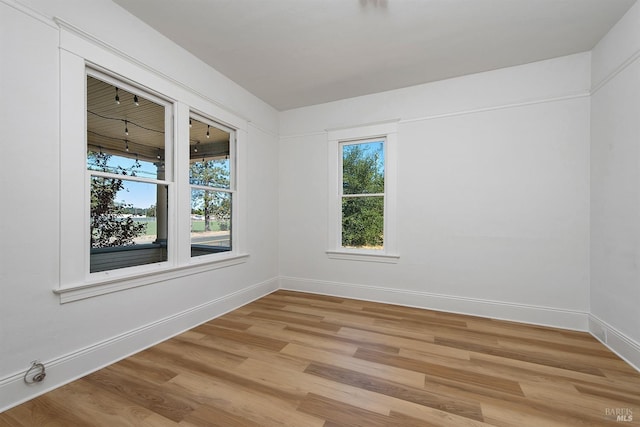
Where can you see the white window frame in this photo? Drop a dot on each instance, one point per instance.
(337, 138)
(79, 51)
(232, 190)
(169, 106)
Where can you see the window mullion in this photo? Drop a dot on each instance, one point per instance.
(205, 187)
(128, 177)
(347, 196)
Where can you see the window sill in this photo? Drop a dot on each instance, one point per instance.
(104, 286)
(364, 256)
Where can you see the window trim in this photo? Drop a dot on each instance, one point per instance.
(353, 135)
(79, 51)
(91, 289)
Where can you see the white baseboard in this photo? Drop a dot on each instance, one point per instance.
(79, 363)
(545, 316)
(616, 341)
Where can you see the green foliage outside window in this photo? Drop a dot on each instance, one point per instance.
(216, 204)
(110, 224)
(363, 175)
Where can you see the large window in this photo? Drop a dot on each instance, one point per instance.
(362, 205)
(129, 171)
(150, 190)
(211, 177)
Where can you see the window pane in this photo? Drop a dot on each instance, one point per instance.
(126, 136)
(209, 153)
(104, 162)
(363, 222)
(210, 173)
(210, 222)
(363, 168)
(128, 223)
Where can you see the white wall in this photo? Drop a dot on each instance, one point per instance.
(493, 197)
(615, 187)
(75, 338)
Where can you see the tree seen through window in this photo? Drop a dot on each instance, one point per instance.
(363, 195)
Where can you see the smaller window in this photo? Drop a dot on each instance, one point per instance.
(362, 183)
(362, 176)
(211, 176)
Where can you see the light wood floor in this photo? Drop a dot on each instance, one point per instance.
(298, 359)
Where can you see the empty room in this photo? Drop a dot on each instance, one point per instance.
(320, 213)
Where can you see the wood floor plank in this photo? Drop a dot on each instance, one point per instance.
(615, 396)
(110, 408)
(254, 405)
(538, 358)
(169, 354)
(391, 329)
(359, 335)
(593, 358)
(141, 392)
(135, 366)
(305, 337)
(301, 382)
(403, 376)
(436, 353)
(518, 368)
(419, 396)
(42, 411)
(355, 340)
(224, 322)
(208, 416)
(358, 397)
(588, 406)
(298, 359)
(515, 404)
(335, 314)
(245, 351)
(340, 413)
(571, 343)
(213, 331)
(427, 416)
(438, 370)
(156, 420)
(504, 415)
(419, 317)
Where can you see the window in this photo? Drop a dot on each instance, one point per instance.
(129, 172)
(362, 176)
(211, 177)
(362, 179)
(132, 205)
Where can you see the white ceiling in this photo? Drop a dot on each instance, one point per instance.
(293, 53)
